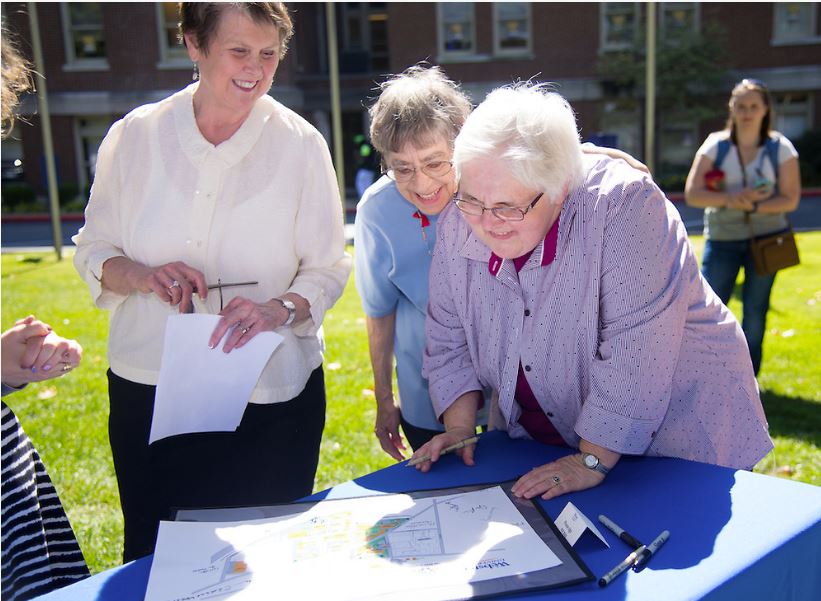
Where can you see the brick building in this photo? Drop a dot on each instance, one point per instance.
(103, 59)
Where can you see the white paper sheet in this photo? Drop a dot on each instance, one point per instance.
(389, 546)
(201, 389)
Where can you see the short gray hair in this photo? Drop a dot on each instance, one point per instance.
(417, 106)
(530, 128)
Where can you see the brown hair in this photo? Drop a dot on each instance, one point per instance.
(201, 19)
(415, 106)
(16, 81)
(752, 85)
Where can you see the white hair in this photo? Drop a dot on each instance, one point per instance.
(530, 128)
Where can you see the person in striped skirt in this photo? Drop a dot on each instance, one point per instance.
(39, 550)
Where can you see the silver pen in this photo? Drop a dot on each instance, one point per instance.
(651, 549)
(628, 561)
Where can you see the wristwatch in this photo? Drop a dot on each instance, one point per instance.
(291, 308)
(592, 462)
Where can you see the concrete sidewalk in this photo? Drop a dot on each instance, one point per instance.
(23, 233)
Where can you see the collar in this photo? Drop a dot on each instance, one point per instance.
(425, 221)
(235, 148)
(546, 251)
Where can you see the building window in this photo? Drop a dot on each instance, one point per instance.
(83, 34)
(457, 28)
(172, 52)
(89, 134)
(364, 37)
(794, 22)
(12, 160)
(511, 28)
(677, 145)
(792, 114)
(619, 22)
(678, 19)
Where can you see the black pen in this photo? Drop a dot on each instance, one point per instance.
(620, 532)
(650, 550)
(628, 561)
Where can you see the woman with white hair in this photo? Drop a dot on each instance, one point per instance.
(566, 282)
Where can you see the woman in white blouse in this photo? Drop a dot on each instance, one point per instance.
(218, 184)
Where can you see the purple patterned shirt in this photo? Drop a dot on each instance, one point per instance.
(627, 345)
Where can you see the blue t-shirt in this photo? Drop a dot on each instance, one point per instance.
(391, 266)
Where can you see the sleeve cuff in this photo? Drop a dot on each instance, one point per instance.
(317, 301)
(9, 389)
(104, 299)
(616, 432)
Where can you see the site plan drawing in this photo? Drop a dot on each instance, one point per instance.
(436, 547)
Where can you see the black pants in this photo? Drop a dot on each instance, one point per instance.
(271, 458)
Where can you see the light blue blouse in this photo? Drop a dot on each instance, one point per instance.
(391, 266)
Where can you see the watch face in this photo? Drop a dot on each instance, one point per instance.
(591, 461)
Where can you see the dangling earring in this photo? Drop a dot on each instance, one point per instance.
(196, 74)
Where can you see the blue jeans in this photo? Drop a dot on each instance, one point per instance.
(720, 265)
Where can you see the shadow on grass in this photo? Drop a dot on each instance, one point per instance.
(793, 417)
(32, 264)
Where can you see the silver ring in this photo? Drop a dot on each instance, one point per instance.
(174, 284)
(244, 331)
(556, 480)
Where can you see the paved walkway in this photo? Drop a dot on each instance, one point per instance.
(22, 233)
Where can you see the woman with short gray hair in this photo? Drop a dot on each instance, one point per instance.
(413, 124)
(567, 283)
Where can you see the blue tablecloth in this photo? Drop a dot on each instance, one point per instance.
(734, 535)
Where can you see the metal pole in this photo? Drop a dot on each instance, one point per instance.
(336, 110)
(650, 90)
(45, 124)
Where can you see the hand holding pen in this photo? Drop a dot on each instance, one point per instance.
(424, 456)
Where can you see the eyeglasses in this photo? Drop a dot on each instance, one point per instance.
(752, 82)
(474, 209)
(432, 169)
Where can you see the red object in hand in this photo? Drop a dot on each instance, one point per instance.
(714, 179)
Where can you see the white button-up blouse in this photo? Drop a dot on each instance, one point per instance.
(263, 205)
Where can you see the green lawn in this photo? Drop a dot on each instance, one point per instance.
(67, 418)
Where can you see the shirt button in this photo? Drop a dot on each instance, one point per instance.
(527, 312)
(527, 368)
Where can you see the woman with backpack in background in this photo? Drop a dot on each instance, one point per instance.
(746, 178)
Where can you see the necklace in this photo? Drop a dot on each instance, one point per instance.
(423, 223)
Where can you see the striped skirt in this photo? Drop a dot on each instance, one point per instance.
(39, 550)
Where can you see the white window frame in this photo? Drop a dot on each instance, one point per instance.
(604, 45)
(97, 129)
(687, 128)
(779, 40)
(168, 58)
(793, 108)
(497, 38)
(669, 6)
(72, 62)
(449, 55)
